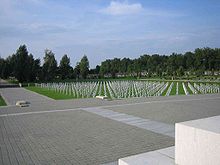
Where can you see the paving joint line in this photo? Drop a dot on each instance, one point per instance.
(39, 112)
(150, 125)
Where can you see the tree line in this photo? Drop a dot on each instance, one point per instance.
(25, 68)
(175, 65)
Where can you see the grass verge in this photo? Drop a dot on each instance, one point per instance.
(173, 90)
(50, 93)
(2, 101)
(181, 90)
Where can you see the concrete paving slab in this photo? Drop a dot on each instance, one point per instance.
(78, 137)
(149, 125)
(173, 111)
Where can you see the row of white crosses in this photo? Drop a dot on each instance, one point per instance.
(194, 91)
(125, 89)
(76, 89)
(110, 90)
(207, 88)
(116, 89)
(169, 89)
(215, 88)
(184, 88)
(162, 88)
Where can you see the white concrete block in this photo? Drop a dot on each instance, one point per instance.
(198, 142)
(101, 97)
(158, 157)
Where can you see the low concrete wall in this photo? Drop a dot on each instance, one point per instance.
(198, 142)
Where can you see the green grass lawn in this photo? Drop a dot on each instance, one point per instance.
(2, 102)
(50, 93)
(181, 90)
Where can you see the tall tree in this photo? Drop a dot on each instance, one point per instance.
(97, 69)
(105, 67)
(65, 68)
(115, 66)
(2, 68)
(37, 71)
(84, 67)
(76, 71)
(137, 67)
(124, 65)
(49, 66)
(31, 73)
(21, 65)
(189, 59)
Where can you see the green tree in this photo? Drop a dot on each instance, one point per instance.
(105, 67)
(180, 71)
(115, 65)
(84, 67)
(76, 71)
(22, 64)
(97, 69)
(137, 67)
(2, 67)
(65, 68)
(37, 71)
(124, 65)
(11, 63)
(49, 66)
(31, 72)
(189, 60)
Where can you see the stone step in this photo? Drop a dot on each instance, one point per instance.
(159, 157)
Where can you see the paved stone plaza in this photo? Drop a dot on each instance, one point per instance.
(92, 131)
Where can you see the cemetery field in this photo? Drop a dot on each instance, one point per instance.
(2, 102)
(115, 89)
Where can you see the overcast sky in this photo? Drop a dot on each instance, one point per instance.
(104, 29)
